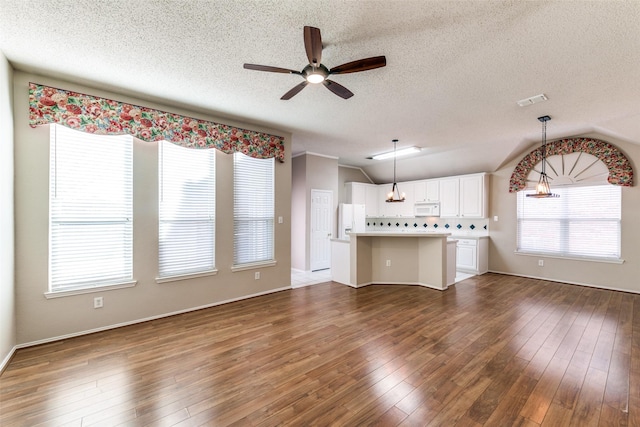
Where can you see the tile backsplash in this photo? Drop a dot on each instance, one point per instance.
(450, 225)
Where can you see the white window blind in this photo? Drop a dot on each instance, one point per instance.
(90, 210)
(187, 210)
(253, 209)
(584, 222)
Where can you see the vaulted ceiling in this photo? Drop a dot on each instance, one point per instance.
(455, 69)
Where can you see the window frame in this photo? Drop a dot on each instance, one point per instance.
(564, 223)
(250, 205)
(206, 203)
(69, 213)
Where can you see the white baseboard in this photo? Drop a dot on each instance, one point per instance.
(588, 285)
(146, 319)
(424, 285)
(6, 360)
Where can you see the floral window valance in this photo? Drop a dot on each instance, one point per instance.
(107, 117)
(620, 170)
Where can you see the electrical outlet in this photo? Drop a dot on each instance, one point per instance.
(98, 302)
(257, 275)
(540, 263)
(388, 263)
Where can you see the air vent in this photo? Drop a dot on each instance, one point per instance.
(532, 100)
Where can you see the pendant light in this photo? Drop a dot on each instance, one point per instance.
(543, 190)
(394, 195)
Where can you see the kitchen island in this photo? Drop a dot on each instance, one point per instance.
(407, 258)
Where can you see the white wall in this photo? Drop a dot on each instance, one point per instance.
(612, 276)
(7, 300)
(41, 319)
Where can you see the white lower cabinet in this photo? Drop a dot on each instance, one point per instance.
(472, 255)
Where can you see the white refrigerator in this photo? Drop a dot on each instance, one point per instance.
(351, 219)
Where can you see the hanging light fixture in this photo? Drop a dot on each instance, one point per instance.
(543, 190)
(394, 195)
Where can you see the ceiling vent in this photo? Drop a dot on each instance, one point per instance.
(532, 100)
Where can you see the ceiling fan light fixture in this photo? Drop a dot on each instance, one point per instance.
(543, 189)
(315, 78)
(315, 72)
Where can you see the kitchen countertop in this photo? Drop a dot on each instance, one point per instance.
(401, 234)
(470, 236)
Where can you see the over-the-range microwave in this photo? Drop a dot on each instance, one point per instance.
(426, 209)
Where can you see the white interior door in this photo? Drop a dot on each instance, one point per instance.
(321, 229)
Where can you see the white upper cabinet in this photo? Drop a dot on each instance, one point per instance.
(372, 201)
(427, 190)
(361, 193)
(433, 190)
(356, 192)
(449, 197)
(473, 196)
(464, 196)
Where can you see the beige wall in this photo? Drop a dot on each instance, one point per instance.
(613, 276)
(310, 172)
(7, 303)
(349, 174)
(299, 212)
(41, 319)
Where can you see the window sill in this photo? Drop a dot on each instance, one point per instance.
(253, 265)
(101, 288)
(572, 258)
(179, 277)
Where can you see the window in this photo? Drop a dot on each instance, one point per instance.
(187, 210)
(90, 210)
(584, 222)
(253, 209)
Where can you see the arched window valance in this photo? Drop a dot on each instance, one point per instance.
(620, 170)
(107, 117)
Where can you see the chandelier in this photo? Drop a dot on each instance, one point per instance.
(543, 190)
(394, 195)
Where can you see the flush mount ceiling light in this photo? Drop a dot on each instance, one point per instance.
(394, 195)
(542, 188)
(399, 153)
(532, 100)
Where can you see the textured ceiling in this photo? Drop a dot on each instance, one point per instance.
(454, 71)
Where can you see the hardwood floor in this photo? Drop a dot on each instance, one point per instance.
(492, 351)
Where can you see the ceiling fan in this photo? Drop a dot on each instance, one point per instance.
(315, 72)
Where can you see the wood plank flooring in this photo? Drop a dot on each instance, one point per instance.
(493, 350)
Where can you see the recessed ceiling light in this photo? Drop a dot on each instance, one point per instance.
(399, 153)
(532, 100)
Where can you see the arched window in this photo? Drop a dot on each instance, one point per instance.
(585, 221)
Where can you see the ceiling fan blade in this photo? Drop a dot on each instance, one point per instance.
(313, 45)
(360, 65)
(338, 89)
(293, 92)
(270, 69)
